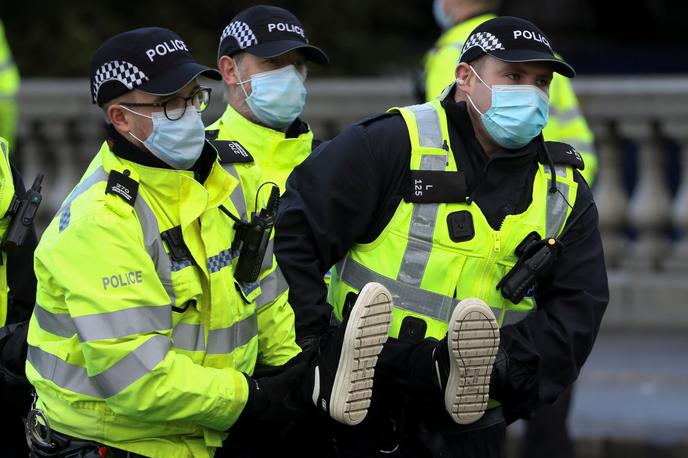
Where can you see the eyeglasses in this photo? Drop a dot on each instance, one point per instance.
(175, 107)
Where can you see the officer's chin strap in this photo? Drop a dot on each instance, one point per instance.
(550, 162)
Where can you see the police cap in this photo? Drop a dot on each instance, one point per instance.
(151, 59)
(267, 31)
(512, 39)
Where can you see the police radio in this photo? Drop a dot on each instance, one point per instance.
(22, 212)
(535, 257)
(251, 239)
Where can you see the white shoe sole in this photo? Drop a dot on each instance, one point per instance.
(366, 332)
(473, 340)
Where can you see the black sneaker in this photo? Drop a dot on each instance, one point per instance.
(344, 367)
(472, 343)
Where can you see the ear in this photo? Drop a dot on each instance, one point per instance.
(117, 116)
(463, 75)
(226, 66)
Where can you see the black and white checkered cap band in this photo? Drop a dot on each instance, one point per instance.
(484, 40)
(118, 70)
(241, 32)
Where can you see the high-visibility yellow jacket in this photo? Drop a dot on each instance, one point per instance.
(415, 257)
(275, 152)
(134, 345)
(9, 86)
(6, 194)
(566, 123)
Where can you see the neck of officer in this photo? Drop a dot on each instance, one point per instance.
(489, 146)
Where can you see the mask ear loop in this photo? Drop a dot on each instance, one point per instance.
(139, 114)
(460, 81)
(241, 82)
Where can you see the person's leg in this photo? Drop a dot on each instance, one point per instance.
(412, 372)
(488, 442)
(335, 377)
(546, 434)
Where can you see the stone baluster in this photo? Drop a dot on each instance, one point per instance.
(650, 208)
(59, 164)
(678, 257)
(610, 197)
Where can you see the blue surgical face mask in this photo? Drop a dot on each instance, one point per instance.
(441, 18)
(177, 143)
(517, 115)
(277, 96)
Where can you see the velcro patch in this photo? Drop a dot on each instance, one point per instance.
(123, 186)
(231, 151)
(565, 154)
(432, 186)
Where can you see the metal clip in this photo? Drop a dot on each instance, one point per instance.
(38, 430)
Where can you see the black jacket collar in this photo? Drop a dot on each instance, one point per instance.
(296, 129)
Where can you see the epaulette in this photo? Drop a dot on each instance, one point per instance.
(212, 134)
(231, 151)
(122, 185)
(565, 154)
(376, 117)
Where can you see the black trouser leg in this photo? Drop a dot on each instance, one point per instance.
(546, 434)
(408, 419)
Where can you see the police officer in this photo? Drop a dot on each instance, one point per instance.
(458, 18)
(262, 57)
(9, 86)
(456, 199)
(17, 296)
(566, 123)
(145, 335)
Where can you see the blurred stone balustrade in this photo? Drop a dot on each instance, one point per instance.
(641, 128)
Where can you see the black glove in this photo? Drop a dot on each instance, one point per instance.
(513, 386)
(277, 397)
(15, 388)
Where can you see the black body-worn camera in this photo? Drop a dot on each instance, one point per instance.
(535, 258)
(22, 212)
(254, 237)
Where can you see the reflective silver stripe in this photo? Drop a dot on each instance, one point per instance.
(133, 366)
(557, 205)
(108, 383)
(497, 312)
(564, 116)
(271, 287)
(422, 228)
(406, 297)
(514, 316)
(237, 197)
(226, 340)
(65, 211)
(267, 259)
(429, 128)
(188, 337)
(154, 247)
(68, 376)
(127, 322)
(60, 324)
